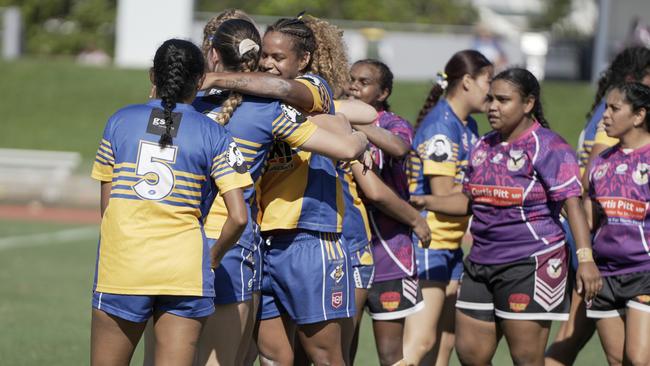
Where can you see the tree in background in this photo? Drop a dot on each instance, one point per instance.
(409, 11)
(66, 26)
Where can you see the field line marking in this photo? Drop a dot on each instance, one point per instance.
(32, 240)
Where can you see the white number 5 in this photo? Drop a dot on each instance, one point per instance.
(157, 177)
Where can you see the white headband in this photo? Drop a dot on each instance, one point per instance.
(247, 45)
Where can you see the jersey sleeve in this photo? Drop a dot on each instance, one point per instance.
(320, 93)
(292, 126)
(400, 128)
(602, 138)
(105, 157)
(229, 169)
(439, 149)
(557, 167)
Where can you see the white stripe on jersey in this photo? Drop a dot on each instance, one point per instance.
(645, 243)
(410, 271)
(324, 280)
(241, 273)
(573, 179)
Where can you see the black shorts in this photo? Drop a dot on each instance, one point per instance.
(631, 290)
(531, 289)
(394, 299)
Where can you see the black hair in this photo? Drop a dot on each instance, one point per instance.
(385, 78)
(238, 44)
(631, 64)
(528, 86)
(303, 37)
(177, 68)
(464, 62)
(637, 95)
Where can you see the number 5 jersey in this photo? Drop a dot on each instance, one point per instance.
(151, 237)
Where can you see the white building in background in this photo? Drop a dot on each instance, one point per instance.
(142, 25)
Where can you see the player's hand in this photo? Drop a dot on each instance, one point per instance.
(588, 280)
(418, 202)
(422, 231)
(366, 160)
(216, 255)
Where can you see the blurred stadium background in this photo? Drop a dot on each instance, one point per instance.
(69, 64)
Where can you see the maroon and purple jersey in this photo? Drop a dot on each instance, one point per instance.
(392, 247)
(517, 191)
(618, 186)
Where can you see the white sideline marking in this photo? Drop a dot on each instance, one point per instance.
(33, 240)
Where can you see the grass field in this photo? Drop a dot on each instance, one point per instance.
(45, 285)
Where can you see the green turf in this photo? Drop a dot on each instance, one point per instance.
(45, 290)
(45, 305)
(58, 105)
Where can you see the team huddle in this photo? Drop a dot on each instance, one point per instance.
(266, 196)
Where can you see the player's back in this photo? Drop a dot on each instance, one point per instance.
(156, 200)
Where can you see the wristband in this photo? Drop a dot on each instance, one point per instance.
(585, 255)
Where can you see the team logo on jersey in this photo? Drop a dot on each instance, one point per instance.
(640, 175)
(554, 268)
(236, 159)
(337, 273)
(496, 159)
(390, 300)
(280, 157)
(516, 160)
(158, 125)
(292, 113)
(465, 142)
(518, 302)
(312, 79)
(479, 157)
(644, 299)
(600, 171)
(337, 299)
(621, 168)
(439, 148)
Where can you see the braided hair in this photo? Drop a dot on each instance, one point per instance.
(631, 64)
(466, 62)
(637, 95)
(177, 68)
(528, 86)
(237, 42)
(324, 43)
(211, 26)
(385, 78)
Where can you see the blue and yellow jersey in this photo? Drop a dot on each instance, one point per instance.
(593, 134)
(442, 146)
(356, 228)
(301, 190)
(151, 237)
(255, 125)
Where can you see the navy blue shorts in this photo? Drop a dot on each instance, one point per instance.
(439, 265)
(363, 267)
(139, 308)
(308, 276)
(238, 275)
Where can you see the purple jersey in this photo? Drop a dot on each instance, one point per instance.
(392, 247)
(517, 190)
(618, 186)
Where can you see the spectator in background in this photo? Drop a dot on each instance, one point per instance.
(490, 46)
(93, 56)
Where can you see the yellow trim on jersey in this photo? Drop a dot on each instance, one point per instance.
(446, 231)
(101, 172)
(140, 264)
(246, 142)
(232, 181)
(447, 168)
(602, 138)
(316, 96)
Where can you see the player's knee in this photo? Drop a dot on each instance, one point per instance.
(637, 356)
(526, 356)
(470, 352)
